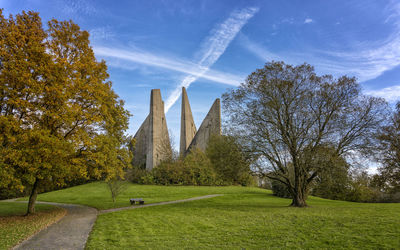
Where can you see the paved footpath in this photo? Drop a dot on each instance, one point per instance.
(72, 231)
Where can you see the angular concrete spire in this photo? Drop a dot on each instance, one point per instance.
(188, 128)
(152, 138)
(210, 125)
(141, 145)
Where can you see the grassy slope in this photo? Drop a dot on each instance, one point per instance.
(251, 219)
(97, 194)
(14, 227)
(242, 218)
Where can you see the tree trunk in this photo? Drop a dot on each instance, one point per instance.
(299, 199)
(32, 198)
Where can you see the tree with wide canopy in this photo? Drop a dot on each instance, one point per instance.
(59, 117)
(288, 117)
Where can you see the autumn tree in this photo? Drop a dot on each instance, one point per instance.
(59, 117)
(285, 114)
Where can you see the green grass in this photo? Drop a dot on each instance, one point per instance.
(15, 227)
(97, 194)
(244, 218)
(250, 218)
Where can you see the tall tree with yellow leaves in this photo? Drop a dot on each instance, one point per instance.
(59, 117)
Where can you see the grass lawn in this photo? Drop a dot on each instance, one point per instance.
(97, 194)
(15, 227)
(250, 218)
(244, 218)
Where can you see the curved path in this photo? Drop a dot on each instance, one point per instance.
(72, 231)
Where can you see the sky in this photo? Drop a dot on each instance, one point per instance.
(210, 46)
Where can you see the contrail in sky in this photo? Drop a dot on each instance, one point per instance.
(213, 47)
(175, 64)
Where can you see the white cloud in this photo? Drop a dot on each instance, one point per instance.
(101, 33)
(213, 47)
(369, 59)
(308, 20)
(365, 60)
(176, 64)
(391, 94)
(258, 50)
(78, 6)
(140, 85)
(288, 20)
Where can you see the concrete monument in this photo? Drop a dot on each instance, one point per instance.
(211, 125)
(188, 128)
(152, 138)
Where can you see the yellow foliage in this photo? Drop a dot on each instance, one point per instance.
(59, 117)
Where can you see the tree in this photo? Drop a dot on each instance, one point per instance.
(360, 188)
(285, 114)
(167, 150)
(59, 117)
(228, 159)
(116, 186)
(389, 139)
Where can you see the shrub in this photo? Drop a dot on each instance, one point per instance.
(136, 174)
(229, 160)
(195, 169)
(199, 169)
(224, 163)
(279, 189)
(168, 173)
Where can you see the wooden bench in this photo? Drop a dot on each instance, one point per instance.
(136, 200)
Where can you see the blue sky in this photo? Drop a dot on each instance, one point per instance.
(210, 46)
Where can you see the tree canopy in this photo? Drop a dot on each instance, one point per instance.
(286, 114)
(59, 117)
